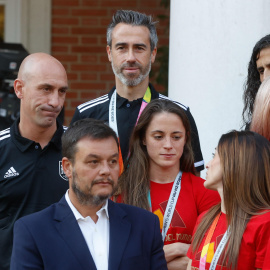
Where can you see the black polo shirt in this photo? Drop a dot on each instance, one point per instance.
(127, 113)
(31, 179)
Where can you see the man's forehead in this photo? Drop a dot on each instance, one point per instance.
(46, 72)
(127, 33)
(96, 146)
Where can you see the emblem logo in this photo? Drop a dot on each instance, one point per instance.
(11, 172)
(61, 171)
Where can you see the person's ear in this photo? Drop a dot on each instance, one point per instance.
(108, 48)
(67, 167)
(18, 88)
(153, 55)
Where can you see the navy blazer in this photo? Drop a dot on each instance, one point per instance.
(51, 239)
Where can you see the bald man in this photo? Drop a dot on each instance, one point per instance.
(31, 175)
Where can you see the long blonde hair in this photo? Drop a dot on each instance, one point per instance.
(245, 162)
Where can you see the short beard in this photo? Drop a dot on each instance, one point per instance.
(129, 81)
(86, 198)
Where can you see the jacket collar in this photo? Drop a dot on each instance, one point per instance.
(120, 228)
(68, 227)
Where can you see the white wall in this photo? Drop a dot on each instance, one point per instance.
(28, 22)
(36, 25)
(210, 47)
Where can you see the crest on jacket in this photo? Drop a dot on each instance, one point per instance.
(61, 171)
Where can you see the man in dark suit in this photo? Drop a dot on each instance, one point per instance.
(86, 230)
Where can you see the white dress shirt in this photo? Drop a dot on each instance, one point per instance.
(96, 235)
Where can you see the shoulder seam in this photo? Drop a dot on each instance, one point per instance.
(96, 100)
(93, 105)
(4, 131)
(176, 102)
(3, 137)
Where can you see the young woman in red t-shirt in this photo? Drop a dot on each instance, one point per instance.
(160, 148)
(235, 233)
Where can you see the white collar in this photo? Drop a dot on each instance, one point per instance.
(78, 215)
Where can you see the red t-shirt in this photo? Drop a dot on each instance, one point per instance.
(252, 249)
(193, 199)
(266, 264)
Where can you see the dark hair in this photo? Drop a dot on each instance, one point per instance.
(136, 19)
(134, 182)
(253, 82)
(91, 128)
(245, 163)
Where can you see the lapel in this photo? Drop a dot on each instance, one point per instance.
(119, 234)
(70, 231)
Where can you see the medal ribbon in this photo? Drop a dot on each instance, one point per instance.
(170, 205)
(219, 249)
(113, 119)
(207, 243)
(145, 101)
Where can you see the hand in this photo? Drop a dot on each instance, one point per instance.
(179, 263)
(175, 250)
(189, 264)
